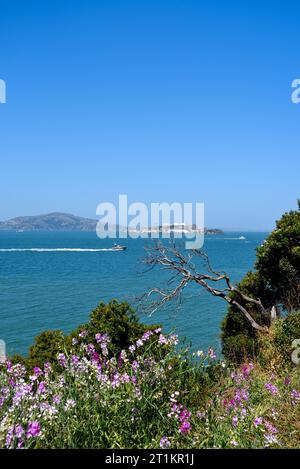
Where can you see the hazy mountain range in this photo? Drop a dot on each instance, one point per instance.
(62, 222)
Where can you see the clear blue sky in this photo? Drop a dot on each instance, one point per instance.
(163, 100)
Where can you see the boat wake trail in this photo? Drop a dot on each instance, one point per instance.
(56, 250)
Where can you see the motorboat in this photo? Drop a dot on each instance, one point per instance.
(118, 247)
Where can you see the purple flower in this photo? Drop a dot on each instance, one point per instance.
(271, 429)
(9, 436)
(211, 353)
(47, 368)
(295, 396)
(37, 371)
(272, 388)
(257, 421)
(83, 333)
(33, 429)
(90, 349)
(70, 403)
(270, 439)
(139, 343)
(185, 415)
(19, 431)
(75, 360)
(287, 381)
(41, 388)
(162, 340)
(164, 443)
(185, 427)
(61, 358)
(135, 365)
(235, 421)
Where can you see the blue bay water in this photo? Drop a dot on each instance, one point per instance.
(56, 289)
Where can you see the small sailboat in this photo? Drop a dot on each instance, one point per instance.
(242, 237)
(118, 247)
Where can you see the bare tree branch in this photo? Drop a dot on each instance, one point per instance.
(170, 258)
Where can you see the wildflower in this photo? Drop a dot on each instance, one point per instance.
(200, 415)
(83, 333)
(19, 431)
(75, 360)
(139, 343)
(37, 371)
(200, 353)
(270, 439)
(56, 398)
(158, 330)
(173, 339)
(162, 340)
(235, 421)
(132, 348)
(271, 429)
(234, 443)
(185, 427)
(246, 370)
(74, 341)
(135, 365)
(257, 421)
(272, 388)
(295, 396)
(185, 415)
(62, 360)
(164, 442)
(95, 357)
(287, 381)
(90, 349)
(47, 368)
(211, 353)
(70, 404)
(41, 388)
(9, 436)
(33, 429)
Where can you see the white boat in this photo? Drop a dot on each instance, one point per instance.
(118, 247)
(242, 237)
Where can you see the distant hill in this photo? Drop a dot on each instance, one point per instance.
(50, 222)
(63, 222)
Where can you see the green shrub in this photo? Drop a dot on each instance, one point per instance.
(276, 281)
(286, 331)
(118, 320)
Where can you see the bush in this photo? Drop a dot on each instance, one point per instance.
(286, 331)
(117, 320)
(276, 281)
(239, 339)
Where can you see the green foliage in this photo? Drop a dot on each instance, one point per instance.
(118, 320)
(45, 349)
(238, 336)
(278, 261)
(286, 331)
(276, 281)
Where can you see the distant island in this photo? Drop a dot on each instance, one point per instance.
(57, 221)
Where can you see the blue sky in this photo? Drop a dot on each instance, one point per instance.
(164, 101)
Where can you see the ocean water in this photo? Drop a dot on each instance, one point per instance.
(54, 280)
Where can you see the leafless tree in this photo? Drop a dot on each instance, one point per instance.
(184, 272)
